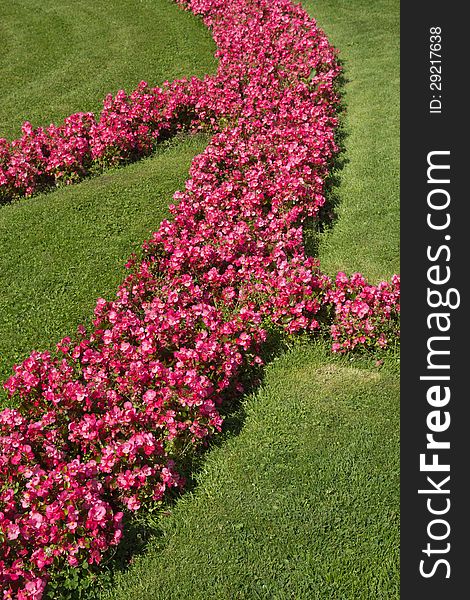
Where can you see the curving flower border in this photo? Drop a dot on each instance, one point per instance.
(102, 425)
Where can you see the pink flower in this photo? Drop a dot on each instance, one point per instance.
(13, 531)
(132, 503)
(36, 519)
(97, 512)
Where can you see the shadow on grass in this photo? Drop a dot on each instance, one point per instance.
(314, 227)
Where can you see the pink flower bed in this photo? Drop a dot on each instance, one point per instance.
(102, 424)
(128, 128)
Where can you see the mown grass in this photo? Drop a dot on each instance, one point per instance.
(303, 502)
(365, 237)
(59, 57)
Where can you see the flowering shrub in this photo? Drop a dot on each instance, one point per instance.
(101, 425)
(128, 128)
(365, 315)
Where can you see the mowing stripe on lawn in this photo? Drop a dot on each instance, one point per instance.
(63, 57)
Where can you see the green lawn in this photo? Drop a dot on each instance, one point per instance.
(59, 57)
(366, 236)
(303, 502)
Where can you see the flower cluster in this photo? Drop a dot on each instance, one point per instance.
(102, 425)
(364, 314)
(128, 127)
